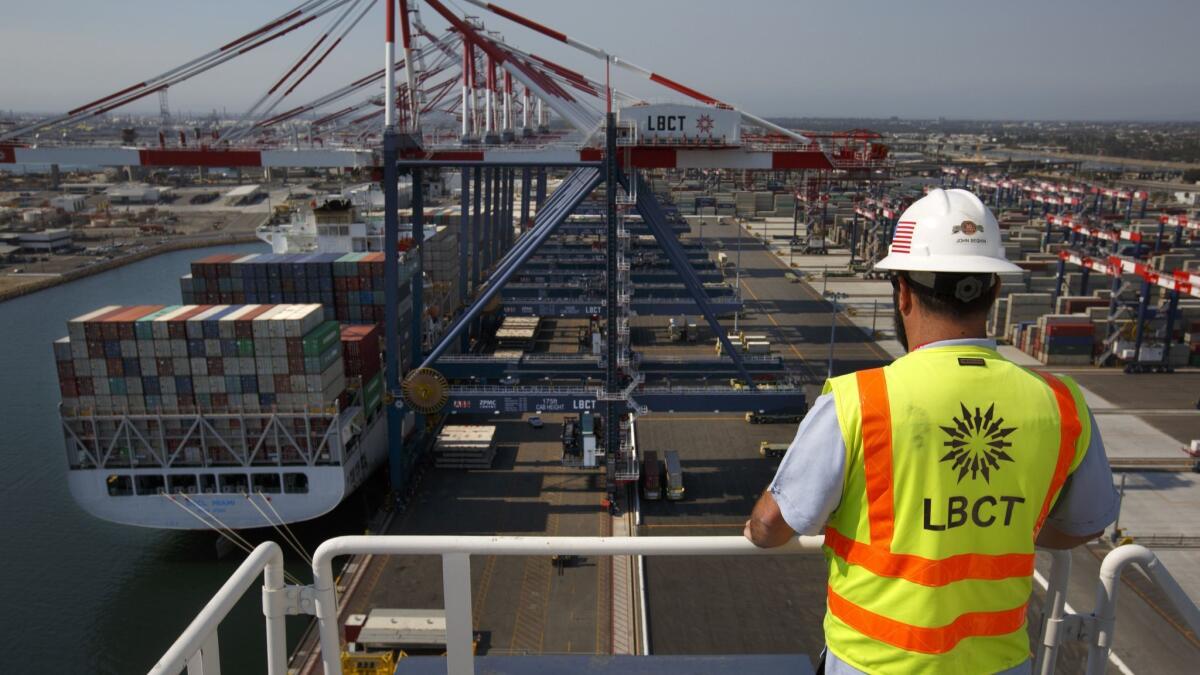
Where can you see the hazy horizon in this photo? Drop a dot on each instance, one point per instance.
(1021, 61)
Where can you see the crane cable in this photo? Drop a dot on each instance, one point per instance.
(285, 533)
(228, 533)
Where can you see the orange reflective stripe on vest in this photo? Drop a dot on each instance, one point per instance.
(877, 453)
(927, 571)
(936, 640)
(877, 536)
(877, 460)
(1069, 430)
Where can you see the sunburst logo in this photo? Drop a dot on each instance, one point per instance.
(977, 443)
(704, 124)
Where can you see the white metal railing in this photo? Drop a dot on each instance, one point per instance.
(456, 555)
(196, 649)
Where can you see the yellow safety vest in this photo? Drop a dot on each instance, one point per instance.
(954, 457)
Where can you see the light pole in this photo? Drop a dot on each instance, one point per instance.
(833, 297)
(738, 261)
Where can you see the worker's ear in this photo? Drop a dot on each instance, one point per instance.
(904, 297)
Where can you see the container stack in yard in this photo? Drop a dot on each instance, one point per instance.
(1076, 329)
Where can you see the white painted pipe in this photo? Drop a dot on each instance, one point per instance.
(266, 558)
(1053, 610)
(453, 546)
(1106, 599)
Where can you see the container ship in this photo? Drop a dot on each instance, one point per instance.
(218, 416)
(255, 402)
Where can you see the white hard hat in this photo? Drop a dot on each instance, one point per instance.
(947, 231)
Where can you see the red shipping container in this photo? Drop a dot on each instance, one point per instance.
(68, 387)
(115, 367)
(66, 370)
(360, 349)
(216, 366)
(283, 384)
(220, 401)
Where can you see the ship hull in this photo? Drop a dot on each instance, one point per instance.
(327, 486)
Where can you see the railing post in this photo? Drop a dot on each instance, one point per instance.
(273, 610)
(456, 585)
(1053, 609)
(207, 661)
(326, 612)
(1106, 599)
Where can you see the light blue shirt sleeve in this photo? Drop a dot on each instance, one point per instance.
(808, 484)
(1088, 502)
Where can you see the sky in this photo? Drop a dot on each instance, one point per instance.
(967, 59)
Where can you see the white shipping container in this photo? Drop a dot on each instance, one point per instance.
(225, 325)
(158, 327)
(75, 326)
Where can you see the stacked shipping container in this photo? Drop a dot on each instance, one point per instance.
(349, 285)
(364, 372)
(188, 358)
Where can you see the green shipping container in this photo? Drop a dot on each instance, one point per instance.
(373, 392)
(320, 338)
(245, 347)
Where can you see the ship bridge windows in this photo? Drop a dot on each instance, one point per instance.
(149, 484)
(267, 483)
(295, 483)
(119, 486)
(233, 483)
(182, 482)
(208, 483)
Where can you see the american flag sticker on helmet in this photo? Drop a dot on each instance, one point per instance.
(902, 242)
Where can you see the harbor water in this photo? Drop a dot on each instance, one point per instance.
(82, 595)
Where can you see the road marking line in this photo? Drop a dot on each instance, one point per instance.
(779, 332)
(880, 351)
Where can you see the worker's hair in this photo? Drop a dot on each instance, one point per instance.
(952, 294)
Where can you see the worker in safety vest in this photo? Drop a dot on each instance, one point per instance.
(934, 477)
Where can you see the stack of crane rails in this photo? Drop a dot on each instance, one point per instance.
(522, 605)
(461, 446)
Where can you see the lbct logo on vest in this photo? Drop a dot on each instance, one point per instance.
(977, 443)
